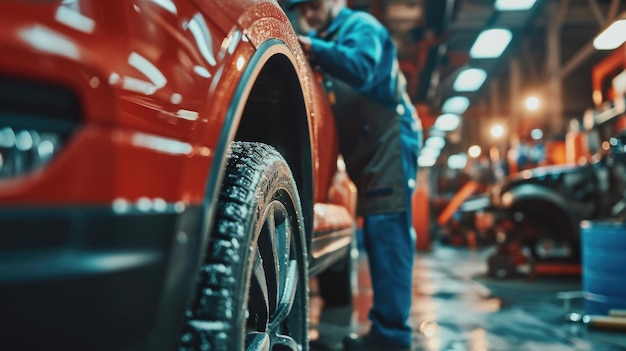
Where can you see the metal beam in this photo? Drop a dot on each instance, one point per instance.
(595, 9)
(613, 10)
(577, 59)
(586, 51)
(554, 83)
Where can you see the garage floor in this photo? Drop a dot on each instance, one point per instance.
(457, 308)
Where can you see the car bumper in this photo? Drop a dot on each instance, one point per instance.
(91, 278)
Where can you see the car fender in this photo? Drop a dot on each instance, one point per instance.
(232, 112)
(537, 193)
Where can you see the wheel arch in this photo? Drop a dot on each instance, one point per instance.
(533, 192)
(276, 114)
(538, 199)
(269, 107)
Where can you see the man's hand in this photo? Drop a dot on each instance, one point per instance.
(305, 42)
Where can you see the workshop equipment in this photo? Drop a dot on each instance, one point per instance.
(603, 261)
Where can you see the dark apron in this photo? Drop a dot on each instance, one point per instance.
(369, 140)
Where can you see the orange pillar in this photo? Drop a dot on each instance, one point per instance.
(575, 147)
(457, 200)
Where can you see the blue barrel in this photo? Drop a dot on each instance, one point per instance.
(603, 265)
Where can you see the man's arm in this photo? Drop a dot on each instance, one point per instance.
(354, 56)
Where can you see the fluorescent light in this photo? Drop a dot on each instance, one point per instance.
(456, 104)
(474, 151)
(536, 134)
(532, 103)
(514, 5)
(612, 37)
(457, 161)
(426, 160)
(430, 151)
(491, 43)
(436, 132)
(470, 79)
(497, 131)
(447, 122)
(435, 142)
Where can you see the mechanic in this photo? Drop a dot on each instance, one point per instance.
(379, 138)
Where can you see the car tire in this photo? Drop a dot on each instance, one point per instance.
(540, 223)
(252, 292)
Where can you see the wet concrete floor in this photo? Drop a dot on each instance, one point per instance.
(456, 307)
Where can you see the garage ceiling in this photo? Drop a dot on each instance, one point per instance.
(434, 38)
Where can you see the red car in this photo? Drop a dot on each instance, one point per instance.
(166, 177)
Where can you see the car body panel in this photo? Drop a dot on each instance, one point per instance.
(159, 87)
(136, 85)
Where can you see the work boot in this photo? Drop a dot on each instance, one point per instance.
(370, 343)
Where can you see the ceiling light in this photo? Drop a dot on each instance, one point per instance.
(436, 132)
(426, 160)
(491, 43)
(435, 142)
(474, 151)
(497, 131)
(514, 5)
(532, 103)
(536, 134)
(447, 122)
(470, 79)
(612, 37)
(457, 161)
(430, 151)
(455, 104)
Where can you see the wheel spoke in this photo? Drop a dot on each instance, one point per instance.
(275, 247)
(270, 225)
(286, 267)
(287, 300)
(258, 304)
(257, 342)
(286, 342)
(283, 246)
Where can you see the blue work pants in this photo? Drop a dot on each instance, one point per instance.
(390, 244)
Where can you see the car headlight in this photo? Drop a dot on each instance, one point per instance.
(35, 120)
(22, 151)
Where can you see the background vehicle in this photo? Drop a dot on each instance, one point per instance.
(539, 209)
(166, 177)
(545, 205)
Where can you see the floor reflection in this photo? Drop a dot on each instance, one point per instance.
(456, 307)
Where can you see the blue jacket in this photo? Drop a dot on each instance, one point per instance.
(358, 50)
(362, 55)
